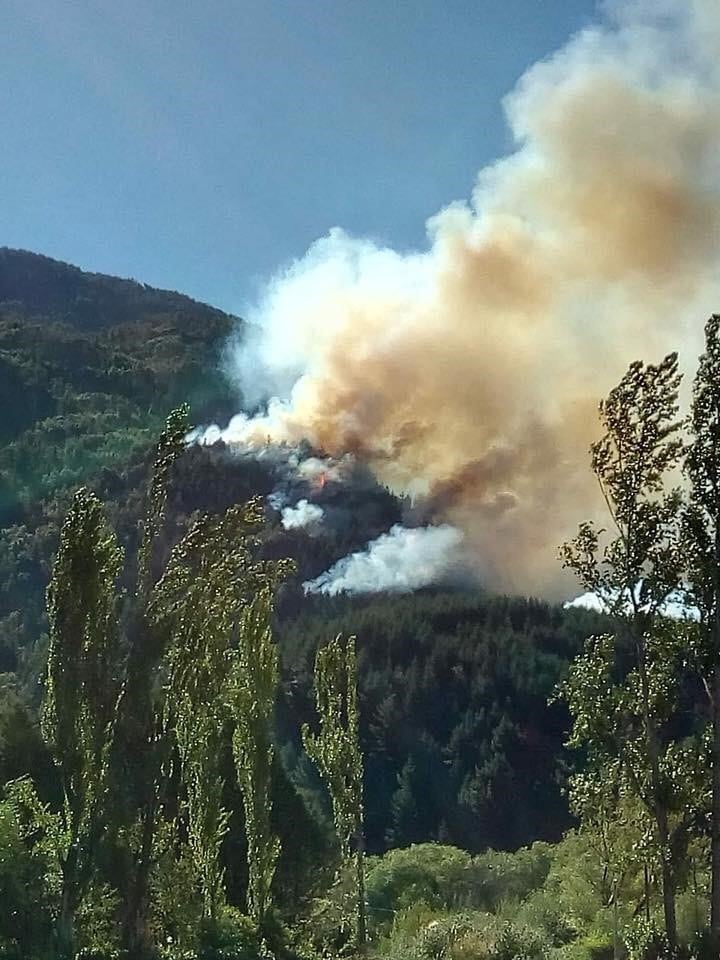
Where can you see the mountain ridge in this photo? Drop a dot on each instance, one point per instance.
(38, 281)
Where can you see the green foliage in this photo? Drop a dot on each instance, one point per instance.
(336, 749)
(433, 874)
(212, 587)
(170, 446)
(230, 936)
(479, 765)
(336, 752)
(638, 569)
(83, 659)
(26, 888)
(464, 936)
(82, 692)
(177, 903)
(701, 538)
(621, 714)
(253, 691)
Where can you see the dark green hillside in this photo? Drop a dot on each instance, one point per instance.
(89, 367)
(40, 287)
(460, 742)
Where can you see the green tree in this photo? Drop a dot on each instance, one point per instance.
(199, 604)
(145, 745)
(29, 872)
(635, 572)
(82, 691)
(404, 830)
(702, 540)
(336, 752)
(253, 691)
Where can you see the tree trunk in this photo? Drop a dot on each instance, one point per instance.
(136, 934)
(715, 826)
(668, 878)
(361, 921)
(65, 926)
(617, 949)
(658, 806)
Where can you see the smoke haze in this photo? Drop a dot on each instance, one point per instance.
(468, 374)
(399, 561)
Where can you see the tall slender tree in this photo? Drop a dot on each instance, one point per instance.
(253, 691)
(197, 604)
(635, 572)
(141, 707)
(83, 686)
(702, 541)
(335, 750)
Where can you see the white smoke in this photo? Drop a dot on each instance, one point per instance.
(402, 560)
(675, 607)
(303, 514)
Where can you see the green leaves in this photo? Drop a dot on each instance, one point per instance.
(170, 446)
(335, 750)
(83, 660)
(214, 605)
(252, 693)
(642, 565)
(84, 682)
(622, 691)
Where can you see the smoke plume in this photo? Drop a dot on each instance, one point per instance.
(303, 515)
(468, 374)
(402, 560)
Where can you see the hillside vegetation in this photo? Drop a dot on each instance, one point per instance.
(199, 764)
(455, 686)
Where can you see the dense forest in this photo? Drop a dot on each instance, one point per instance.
(196, 767)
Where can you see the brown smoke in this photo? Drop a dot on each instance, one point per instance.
(469, 375)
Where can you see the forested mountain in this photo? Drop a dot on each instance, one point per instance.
(460, 743)
(454, 686)
(89, 367)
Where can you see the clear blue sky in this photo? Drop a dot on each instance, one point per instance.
(200, 145)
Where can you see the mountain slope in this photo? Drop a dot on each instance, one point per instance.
(89, 367)
(461, 745)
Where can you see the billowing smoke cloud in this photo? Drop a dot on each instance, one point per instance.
(468, 374)
(402, 560)
(303, 514)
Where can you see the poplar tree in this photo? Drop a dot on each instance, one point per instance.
(635, 569)
(335, 751)
(253, 691)
(213, 604)
(141, 707)
(702, 540)
(84, 677)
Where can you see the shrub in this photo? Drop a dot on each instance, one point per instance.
(231, 936)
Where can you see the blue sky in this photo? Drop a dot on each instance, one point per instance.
(200, 145)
